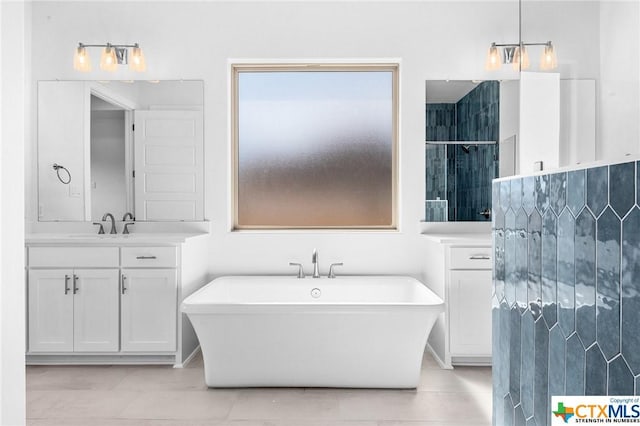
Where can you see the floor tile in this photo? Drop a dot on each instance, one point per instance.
(164, 396)
(176, 405)
(285, 404)
(76, 404)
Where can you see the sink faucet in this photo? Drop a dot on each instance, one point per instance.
(314, 260)
(128, 215)
(113, 222)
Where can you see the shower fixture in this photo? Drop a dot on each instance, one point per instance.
(112, 56)
(517, 55)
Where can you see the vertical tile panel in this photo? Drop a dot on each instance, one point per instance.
(622, 192)
(597, 189)
(541, 385)
(585, 261)
(630, 290)
(515, 355)
(528, 194)
(549, 267)
(498, 254)
(558, 191)
(608, 283)
(620, 379)
(566, 272)
(576, 191)
(575, 366)
(510, 257)
(557, 355)
(535, 264)
(527, 376)
(596, 372)
(541, 183)
(522, 260)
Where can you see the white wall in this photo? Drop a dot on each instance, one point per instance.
(108, 185)
(618, 101)
(539, 121)
(14, 91)
(509, 123)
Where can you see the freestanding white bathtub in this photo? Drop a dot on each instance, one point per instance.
(353, 332)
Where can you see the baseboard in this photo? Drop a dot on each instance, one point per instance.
(440, 362)
(189, 358)
(472, 361)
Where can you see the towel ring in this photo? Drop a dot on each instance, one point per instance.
(57, 168)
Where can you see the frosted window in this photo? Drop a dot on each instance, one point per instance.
(315, 149)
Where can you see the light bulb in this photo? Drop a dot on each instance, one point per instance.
(520, 58)
(108, 60)
(493, 59)
(81, 60)
(548, 60)
(136, 61)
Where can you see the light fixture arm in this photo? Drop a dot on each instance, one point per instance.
(108, 45)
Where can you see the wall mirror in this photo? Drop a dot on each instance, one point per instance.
(120, 146)
(470, 140)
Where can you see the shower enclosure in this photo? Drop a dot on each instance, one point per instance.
(462, 153)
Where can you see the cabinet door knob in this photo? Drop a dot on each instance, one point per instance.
(124, 289)
(75, 284)
(66, 284)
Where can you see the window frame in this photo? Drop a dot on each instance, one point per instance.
(237, 68)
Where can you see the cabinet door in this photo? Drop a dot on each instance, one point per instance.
(50, 300)
(95, 310)
(470, 312)
(149, 304)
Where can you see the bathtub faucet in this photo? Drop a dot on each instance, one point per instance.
(314, 260)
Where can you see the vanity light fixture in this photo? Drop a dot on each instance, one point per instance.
(518, 56)
(112, 56)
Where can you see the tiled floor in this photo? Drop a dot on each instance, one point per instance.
(161, 395)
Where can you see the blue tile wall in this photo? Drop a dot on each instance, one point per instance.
(566, 297)
(441, 126)
(435, 210)
(477, 119)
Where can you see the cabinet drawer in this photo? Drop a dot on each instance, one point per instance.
(470, 258)
(75, 257)
(152, 257)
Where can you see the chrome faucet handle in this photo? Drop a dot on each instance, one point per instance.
(300, 271)
(126, 227)
(101, 230)
(331, 274)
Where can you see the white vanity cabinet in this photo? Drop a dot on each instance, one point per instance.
(116, 303)
(459, 270)
(73, 309)
(470, 302)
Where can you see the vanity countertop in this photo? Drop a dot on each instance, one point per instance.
(109, 239)
(460, 239)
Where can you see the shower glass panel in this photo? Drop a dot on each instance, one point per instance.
(315, 148)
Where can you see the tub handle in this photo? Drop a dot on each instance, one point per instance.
(331, 274)
(300, 271)
(479, 257)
